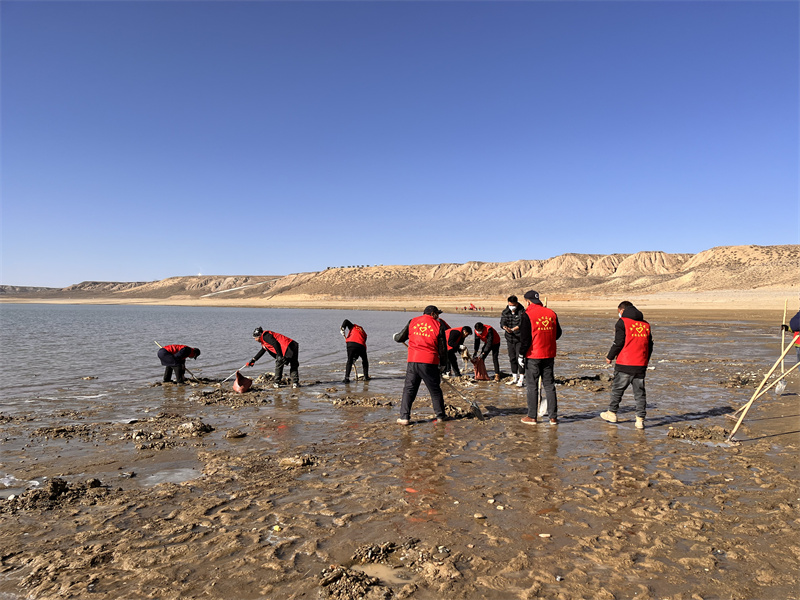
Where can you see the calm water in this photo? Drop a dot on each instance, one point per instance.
(46, 350)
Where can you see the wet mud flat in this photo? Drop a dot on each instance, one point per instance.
(318, 493)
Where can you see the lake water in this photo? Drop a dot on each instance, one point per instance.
(46, 350)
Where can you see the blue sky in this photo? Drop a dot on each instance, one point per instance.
(142, 140)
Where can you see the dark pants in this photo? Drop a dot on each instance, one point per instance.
(452, 359)
(618, 387)
(169, 361)
(354, 352)
(290, 357)
(416, 373)
(544, 367)
(513, 353)
(495, 350)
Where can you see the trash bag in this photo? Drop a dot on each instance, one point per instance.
(480, 370)
(241, 384)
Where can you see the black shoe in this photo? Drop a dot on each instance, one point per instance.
(346, 380)
(367, 377)
(441, 419)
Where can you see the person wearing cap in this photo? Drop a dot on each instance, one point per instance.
(427, 360)
(539, 331)
(173, 357)
(510, 320)
(356, 340)
(283, 349)
(455, 344)
(491, 343)
(632, 348)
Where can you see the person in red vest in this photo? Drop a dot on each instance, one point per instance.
(456, 338)
(491, 343)
(632, 347)
(356, 339)
(173, 357)
(284, 350)
(539, 330)
(427, 360)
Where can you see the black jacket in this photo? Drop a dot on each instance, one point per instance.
(511, 319)
(794, 323)
(619, 341)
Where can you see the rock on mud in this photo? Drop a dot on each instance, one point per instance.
(699, 432)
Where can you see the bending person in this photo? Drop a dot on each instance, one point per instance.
(283, 349)
(173, 357)
(356, 339)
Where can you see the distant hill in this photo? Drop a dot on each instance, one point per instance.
(569, 275)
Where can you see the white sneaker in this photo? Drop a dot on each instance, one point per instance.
(609, 416)
(521, 381)
(639, 423)
(513, 380)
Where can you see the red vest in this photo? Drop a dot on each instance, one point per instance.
(447, 335)
(637, 344)
(357, 335)
(543, 332)
(174, 348)
(423, 346)
(281, 339)
(486, 330)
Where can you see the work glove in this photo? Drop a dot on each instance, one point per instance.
(462, 348)
(342, 332)
(483, 356)
(442, 369)
(251, 363)
(784, 327)
(396, 337)
(521, 361)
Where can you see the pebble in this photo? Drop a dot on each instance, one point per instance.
(500, 507)
(490, 500)
(479, 516)
(544, 535)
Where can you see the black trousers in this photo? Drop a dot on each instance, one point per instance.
(415, 374)
(354, 352)
(292, 359)
(514, 348)
(452, 359)
(169, 361)
(495, 350)
(544, 367)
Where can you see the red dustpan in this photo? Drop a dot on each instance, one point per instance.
(241, 384)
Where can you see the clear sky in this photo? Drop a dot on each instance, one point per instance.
(142, 140)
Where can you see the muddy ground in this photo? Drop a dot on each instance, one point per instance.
(318, 493)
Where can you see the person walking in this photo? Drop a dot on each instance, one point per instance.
(173, 357)
(510, 320)
(283, 349)
(356, 340)
(491, 343)
(456, 339)
(632, 348)
(427, 360)
(539, 331)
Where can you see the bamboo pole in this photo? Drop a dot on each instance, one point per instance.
(756, 393)
(783, 331)
(768, 388)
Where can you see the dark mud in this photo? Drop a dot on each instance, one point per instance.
(318, 493)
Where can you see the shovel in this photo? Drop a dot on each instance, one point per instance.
(474, 409)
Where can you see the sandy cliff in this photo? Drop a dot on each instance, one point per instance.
(729, 269)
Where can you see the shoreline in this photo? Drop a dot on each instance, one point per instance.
(724, 301)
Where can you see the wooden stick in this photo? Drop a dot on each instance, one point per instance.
(755, 395)
(770, 386)
(783, 331)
